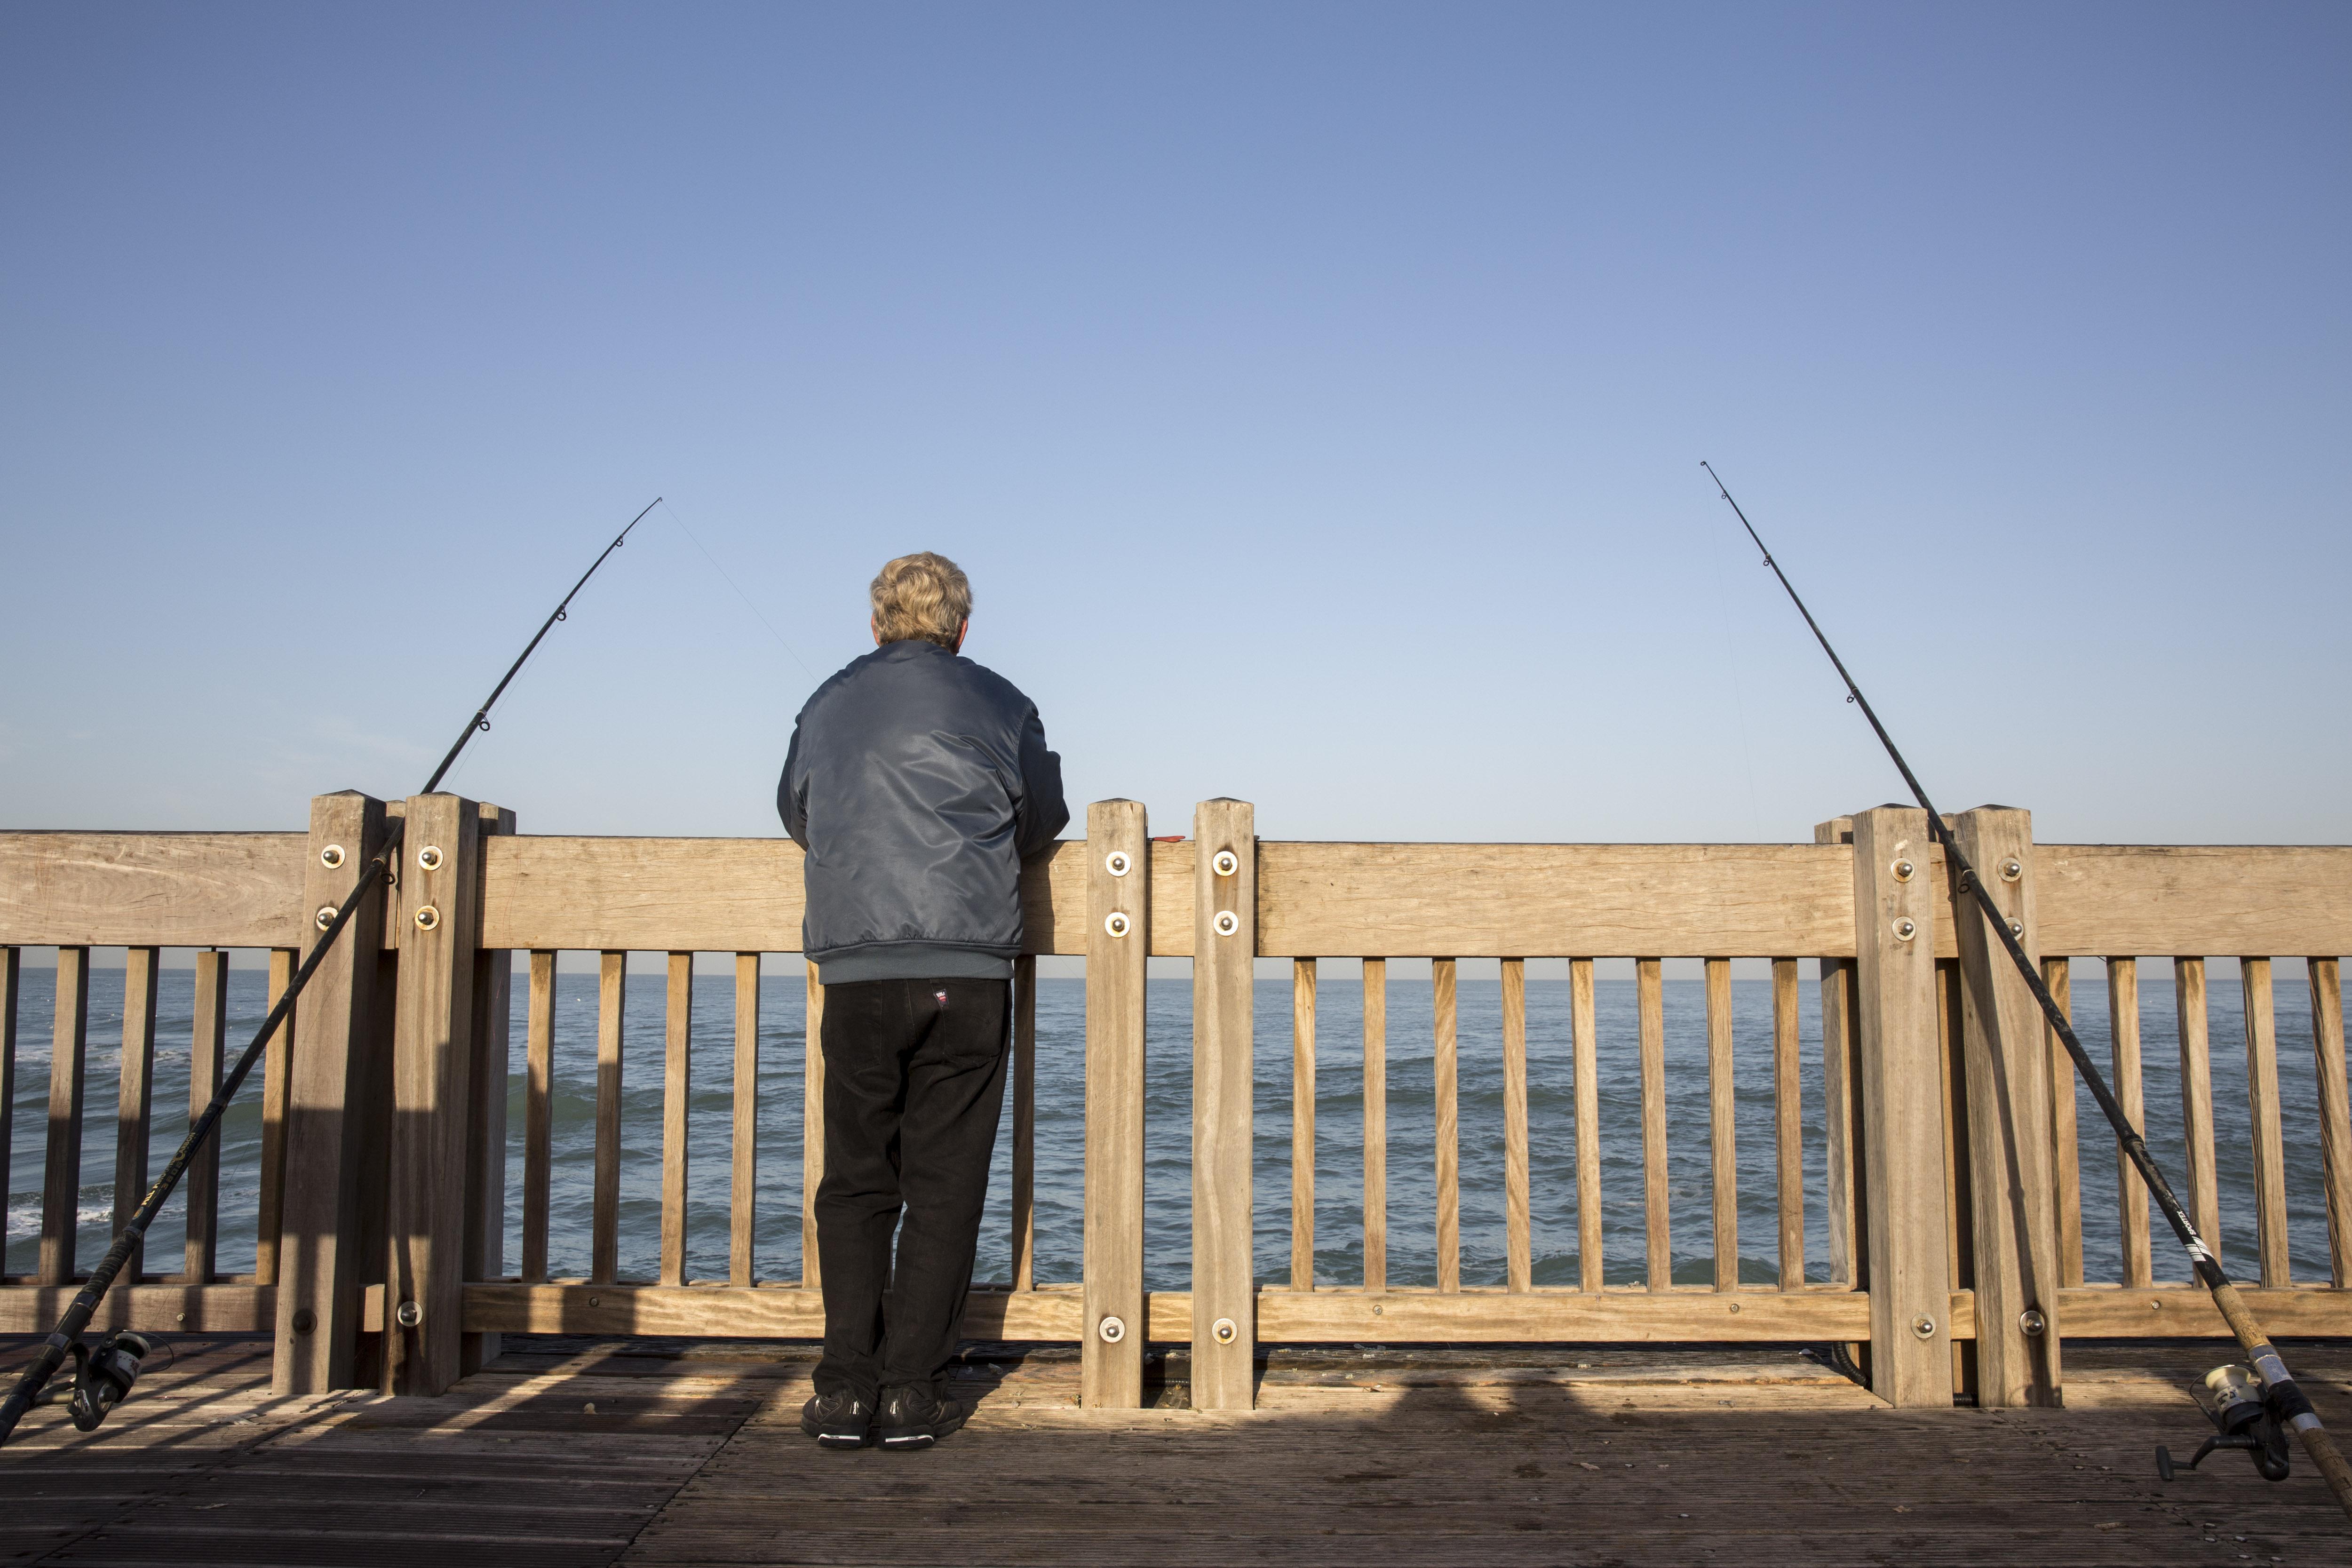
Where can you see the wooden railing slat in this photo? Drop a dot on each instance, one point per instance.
(1302, 1124)
(61, 1172)
(2197, 1099)
(743, 1177)
(1788, 1122)
(1025, 1122)
(1590, 1274)
(1518, 1246)
(2123, 1029)
(2066, 1150)
(199, 1253)
(12, 970)
(276, 1092)
(678, 1101)
(1844, 1201)
(1723, 1138)
(1445, 1076)
(1224, 939)
(134, 1104)
(1657, 1230)
(538, 1130)
(604, 1216)
(2269, 1148)
(1121, 898)
(1959, 1209)
(2335, 1118)
(1376, 1124)
(811, 1126)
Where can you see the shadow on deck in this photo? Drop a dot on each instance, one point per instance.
(572, 1452)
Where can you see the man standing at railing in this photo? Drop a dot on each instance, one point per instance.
(917, 781)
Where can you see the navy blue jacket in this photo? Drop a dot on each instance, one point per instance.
(917, 781)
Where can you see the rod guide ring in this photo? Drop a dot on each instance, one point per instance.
(429, 857)
(1117, 923)
(1227, 923)
(1226, 863)
(427, 918)
(1111, 1329)
(1117, 863)
(332, 856)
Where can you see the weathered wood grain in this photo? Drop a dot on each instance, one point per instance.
(605, 1214)
(1111, 1376)
(1024, 1214)
(1582, 1026)
(2123, 1028)
(743, 1171)
(1723, 1142)
(2192, 900)
(2012, 1189)
(2335, 1118)
(1302, 1124)
(1446, 1074)
(538, 1126)
(1788, 1124)
(277, 1089)
(1376, 1123)
(2065, 1139)
(1518, 1246)
(812, 1123)
(202, 1182)
(2269, 1149)
(1657, 1235)
(152, 889)
(2196, 1099)
(69, 1082)
(134, 1103)
(678, 1101)
(1223, 1289)
(160, 1307)
(1902, 1119)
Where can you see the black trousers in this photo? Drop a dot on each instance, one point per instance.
(914, 1081)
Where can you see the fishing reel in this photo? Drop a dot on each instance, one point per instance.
(102, 1377)
(2247, 1417)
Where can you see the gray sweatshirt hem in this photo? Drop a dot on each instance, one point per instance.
(912, 961)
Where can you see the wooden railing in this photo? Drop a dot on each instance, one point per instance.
(382, 1209)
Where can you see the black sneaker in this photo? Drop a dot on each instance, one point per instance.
(913, 1418)
(840, 1420)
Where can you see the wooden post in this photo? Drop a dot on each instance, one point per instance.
(1849, 1221)
(1657, 1232)
(134, 1105)
(2058, 974)
(1224, 941)
(1901, 1108)
(1789, 1123)
(538, 1131)
(2269, 1148)
(612, 1034)
(1723, 1145)
(198, 1255)
(327, 1096)
(2012, 1143)
(433, 1061)
(1119, 945)
(2197, 1099)
(1376, 1124)
(1590, 1264)
(486, 1116)
(1444, 1081)
(2123, 1021)
(68, 1073)
(1519, 1238)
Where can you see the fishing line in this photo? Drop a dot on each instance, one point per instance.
(103, 1374)
(2286, 1403)
(742, 595)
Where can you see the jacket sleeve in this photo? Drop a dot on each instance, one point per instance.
(792, 793)
(1042, 812)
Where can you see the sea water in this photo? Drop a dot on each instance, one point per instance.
(1338, 1116)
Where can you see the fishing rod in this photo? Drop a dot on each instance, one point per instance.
(2281, 1402)
(103, 1375)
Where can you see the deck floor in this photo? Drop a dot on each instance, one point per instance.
(576, 1454)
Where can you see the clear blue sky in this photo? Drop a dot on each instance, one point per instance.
(1314, 395)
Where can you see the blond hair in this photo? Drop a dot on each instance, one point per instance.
(923, 596)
